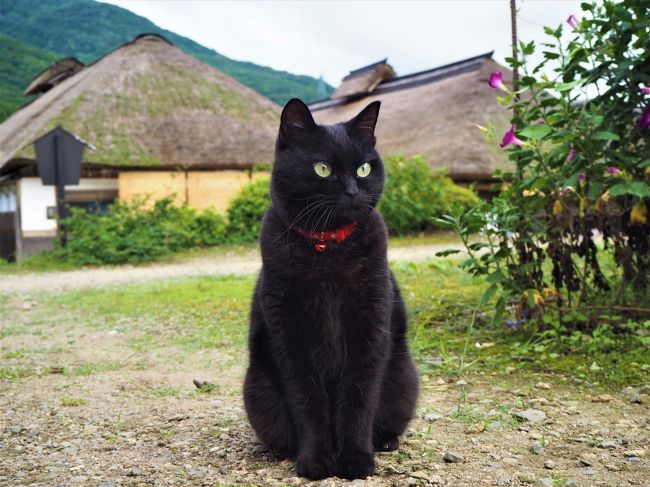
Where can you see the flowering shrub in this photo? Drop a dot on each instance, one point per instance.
(570, 232)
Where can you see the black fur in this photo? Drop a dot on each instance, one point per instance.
(330, 378)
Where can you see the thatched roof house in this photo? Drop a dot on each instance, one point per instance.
(432, 113)
(147, 103)
(164, 124)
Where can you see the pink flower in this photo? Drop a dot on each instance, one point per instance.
(613, 170)
(646, 90)
(572, 153)
(565, 190)
(496, 81)
(572, 21)
(582, 177)
(644, 121)
(510, 138)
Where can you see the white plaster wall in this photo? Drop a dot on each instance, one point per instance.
(94, 184)
(34, 200)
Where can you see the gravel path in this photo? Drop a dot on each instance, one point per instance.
(102, 276)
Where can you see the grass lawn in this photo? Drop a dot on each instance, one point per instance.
(201, 314)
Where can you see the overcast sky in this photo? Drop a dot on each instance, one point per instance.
(333, 37)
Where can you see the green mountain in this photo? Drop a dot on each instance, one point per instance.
(18, 65)
(87, 30)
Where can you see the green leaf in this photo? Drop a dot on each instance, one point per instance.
(445, 253)
(536, 131)
(495, 277)
(636, 188)
(568, 86)
(645, 163)
(604, 135)
(485, 297)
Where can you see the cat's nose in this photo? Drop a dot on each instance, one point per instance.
(351, 188)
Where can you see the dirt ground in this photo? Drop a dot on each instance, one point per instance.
(141, 421)
(241, 263)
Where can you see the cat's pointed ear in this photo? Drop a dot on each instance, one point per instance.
(365, 122)
(295, 117)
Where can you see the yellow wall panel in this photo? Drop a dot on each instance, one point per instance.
(153, 185)
(214, 189)
(200, 189)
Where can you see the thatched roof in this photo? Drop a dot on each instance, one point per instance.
(363, 81)
(53, 75)
(433, 114)
(149, 104)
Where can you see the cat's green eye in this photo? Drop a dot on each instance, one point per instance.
(323, 169)
(364, 169)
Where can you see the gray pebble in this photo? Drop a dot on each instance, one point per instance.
(450, 457)
(589, 472)
(135, 472)
(531, 415)
(536, 448)
(431, 417)
(608, 444)
(544, 482)
(549, 464)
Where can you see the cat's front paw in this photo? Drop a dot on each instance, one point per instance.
(314, 467)
(354, 465)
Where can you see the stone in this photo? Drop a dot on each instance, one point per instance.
(135, 472)
(450, 457)
(26, 306)
(16, 428)
(549, 464)
(419, 474)
(411, 481)
(475, 428)
(588, 472)
(634, 453)
(531, 415)
(587, 459)
(431, 417)
(609, 444)
(461, 382)
(603, 398)
(106, 484)
(543, 385)
(544, 482)
(536, 448)
(570, 483)
(502, 482)
(440, 382)
(631, 394)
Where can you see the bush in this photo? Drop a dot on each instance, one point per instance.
(130, 232)
(568, 240)
(246, 211)
(414, 195)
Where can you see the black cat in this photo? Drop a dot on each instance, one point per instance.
(331, 378)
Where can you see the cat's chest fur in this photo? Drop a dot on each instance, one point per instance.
(341, 297)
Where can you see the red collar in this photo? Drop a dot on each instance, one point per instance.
(338, 235)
